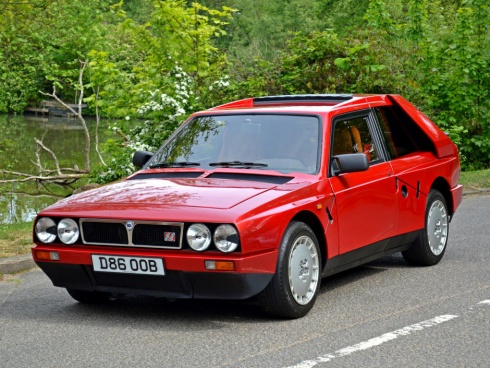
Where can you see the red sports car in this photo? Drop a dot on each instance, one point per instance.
(260, 197)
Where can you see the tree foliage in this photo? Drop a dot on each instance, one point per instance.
(436, 54)
(41, 42)
(175, 69)
(153, 62)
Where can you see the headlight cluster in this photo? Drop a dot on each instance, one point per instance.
(225, 237)
(66, 230)
(200, 237)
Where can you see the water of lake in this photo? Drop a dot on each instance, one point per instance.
(65, 137)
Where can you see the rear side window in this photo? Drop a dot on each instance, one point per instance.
(401, 134)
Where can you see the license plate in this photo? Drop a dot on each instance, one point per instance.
(121, 264)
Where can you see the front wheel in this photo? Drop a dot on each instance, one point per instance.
(430, 246)
(294, 288)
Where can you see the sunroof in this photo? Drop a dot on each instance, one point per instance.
(317, 98)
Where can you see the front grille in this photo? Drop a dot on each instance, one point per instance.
(156, 235)
(132, 233)
(104, 233)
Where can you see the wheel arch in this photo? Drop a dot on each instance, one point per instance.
(441, 185)
(316, 226)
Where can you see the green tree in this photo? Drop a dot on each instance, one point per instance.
(41, 42)
(175, 70)
(455, 84)
(434, 53)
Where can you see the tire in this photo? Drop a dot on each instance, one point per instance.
(89, 297)
(430, 246)
(294, 288)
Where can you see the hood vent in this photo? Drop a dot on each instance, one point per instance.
(168, 175)
(271, 179)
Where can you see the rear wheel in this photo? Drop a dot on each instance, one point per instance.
(294, 288)
(430, 246)
(89, 297)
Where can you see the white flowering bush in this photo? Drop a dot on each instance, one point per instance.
(174, 70)
(155, 120)
(221, 83)
(164, 111)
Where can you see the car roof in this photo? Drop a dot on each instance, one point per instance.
(324, 103)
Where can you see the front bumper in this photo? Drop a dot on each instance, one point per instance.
(185, 274)
(175, 284)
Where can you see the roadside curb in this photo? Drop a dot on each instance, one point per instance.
(478, 191)
(25, 262)
(16, 264)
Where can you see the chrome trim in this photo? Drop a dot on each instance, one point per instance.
(130, 230)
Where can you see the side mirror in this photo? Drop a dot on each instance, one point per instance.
(140, 158)
(350, 162)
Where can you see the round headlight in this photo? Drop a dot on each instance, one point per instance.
(198, 237)
(68, 231)
(45, 230)
(226, 238)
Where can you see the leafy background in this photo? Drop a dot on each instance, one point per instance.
(155, 62)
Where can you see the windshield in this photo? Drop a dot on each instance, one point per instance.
(285, 143)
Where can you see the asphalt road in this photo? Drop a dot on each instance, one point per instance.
(384, 314)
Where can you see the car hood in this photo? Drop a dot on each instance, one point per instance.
(199, 193)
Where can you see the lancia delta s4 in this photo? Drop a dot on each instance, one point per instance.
(261, 197)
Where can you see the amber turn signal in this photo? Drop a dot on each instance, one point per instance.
(46, 255)
(220, 265)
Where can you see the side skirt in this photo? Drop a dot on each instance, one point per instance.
(369, 253)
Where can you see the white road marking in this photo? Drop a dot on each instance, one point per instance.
(381, 339)
(376, 341)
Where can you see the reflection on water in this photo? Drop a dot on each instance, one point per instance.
(22, 208)
(65, 137)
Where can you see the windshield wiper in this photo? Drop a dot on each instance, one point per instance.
(174, 164)
(238, 163)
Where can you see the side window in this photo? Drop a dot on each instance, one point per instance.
(353, 136)
(399, 132)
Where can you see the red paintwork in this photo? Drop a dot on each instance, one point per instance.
(240, 104)
(367, 200)
(174, 260)
(185, 194)
(367, 207)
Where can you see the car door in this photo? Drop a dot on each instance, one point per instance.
(364, 201)
(411, 158)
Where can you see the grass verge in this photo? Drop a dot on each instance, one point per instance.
(475, 180)
(16, 239)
